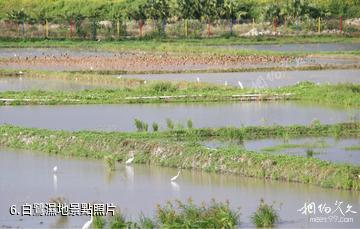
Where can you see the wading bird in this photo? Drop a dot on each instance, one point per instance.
(240, 85)
(225, 83)
(88, 223)
(55, 169)
(198, 79)
(130, 160)
(175, 177)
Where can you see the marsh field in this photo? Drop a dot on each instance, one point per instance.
(207, 130)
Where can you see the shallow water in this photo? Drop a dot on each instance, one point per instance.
(325, 148)
(121, 117)
(25, 84)
(260, 79)
(319, 47)
(139, 188)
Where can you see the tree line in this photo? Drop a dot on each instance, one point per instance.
(207, 10)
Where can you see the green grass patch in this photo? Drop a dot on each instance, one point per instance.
(354, 147)
(155, 92)
(294, 146)
(265, 216)
(195, 46)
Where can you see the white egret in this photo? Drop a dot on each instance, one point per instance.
(240, 84)
(175, 177)
(91, 68)
(130, 160)
(55, 169)
(144, 81)
(88, 223)
(198, 79)
(119, 77)
(226, 83)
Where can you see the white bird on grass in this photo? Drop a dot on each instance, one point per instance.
(130, 160)
(55, 169)
(198, 79)
(175, 177)
(87, 225)
(240, 84)
(226, 83)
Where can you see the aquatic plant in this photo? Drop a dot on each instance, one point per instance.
(140, 125)
(185, 215)
(110, 162)
(155, 127)
(265, 215)
(309, 153)
(169, 124)
(189, 124)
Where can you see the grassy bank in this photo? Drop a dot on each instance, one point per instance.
(172, 151)
(155, 92)
(197, 46)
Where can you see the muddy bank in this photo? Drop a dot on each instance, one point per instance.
(144, 62)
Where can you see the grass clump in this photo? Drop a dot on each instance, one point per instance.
(189, 124)
(147, 223)
(309, 153)
(155, 127)
(110, 162)
(140, 125)
(98, 222)
(169, 124)
(265, 215)
(189, 215)
(161, 87)
(117, 221)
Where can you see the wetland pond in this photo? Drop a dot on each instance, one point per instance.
(139, 188)
(121, 117)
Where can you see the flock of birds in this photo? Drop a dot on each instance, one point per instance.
(129, 161)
